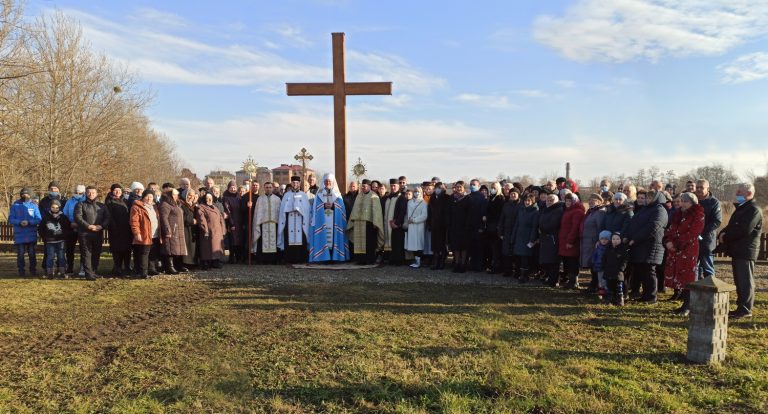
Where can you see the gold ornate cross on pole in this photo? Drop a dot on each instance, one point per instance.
(303, 156)
(339, 88)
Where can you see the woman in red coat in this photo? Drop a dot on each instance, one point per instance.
(569, 237)
(682, 242)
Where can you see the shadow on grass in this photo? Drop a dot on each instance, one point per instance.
(653, 357)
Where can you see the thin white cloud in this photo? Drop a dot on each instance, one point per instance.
(161, 57)
(379, 67)
(746, 68)
(487, 101)
(151, 16)
(531, 93)
(565, 83)
(292, 35)
(626, 30)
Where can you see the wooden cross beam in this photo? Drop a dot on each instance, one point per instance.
(339, 89)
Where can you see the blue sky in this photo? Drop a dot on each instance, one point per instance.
(479, 87)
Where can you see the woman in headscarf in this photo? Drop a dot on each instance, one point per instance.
(188, 208)
(416, 217)
(570, 238)
(681, 241)
(174, 247)
(211, 226)
(231, 202)
(145, 227)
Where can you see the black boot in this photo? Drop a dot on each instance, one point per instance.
(168, 266)
(685, 309)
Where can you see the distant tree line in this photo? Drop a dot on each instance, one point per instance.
(70, 114)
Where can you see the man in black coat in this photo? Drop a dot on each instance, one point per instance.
(741, 240)
(92, 217)
(120, 235)
(397, 255)
(476, 225)
(549, 230)
(644, 235)
(437, 211)
(713, 217)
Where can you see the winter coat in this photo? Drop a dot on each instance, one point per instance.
(615, 262)
(742, 234)
(458, 212)
(495, 207)
(212, 230)
(617, 219)
(91, 212)
(646, 229)
(525, 230)
(120, 236)
(141, 225)
(172, 229)
(549, 233)
(24, 211)
(190, 232)
(506, 224)
(69, 207)
(54, 229)
(232, 205)
(681, 264)
(597, 256)
(437, 210)
(414, 237)
(593, 224)
(570, 230)
(478, 208)
(713, 218)
(45, 202)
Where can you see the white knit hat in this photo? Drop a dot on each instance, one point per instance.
(79, 189)
(136, 185)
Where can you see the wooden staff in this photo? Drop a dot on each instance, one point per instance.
(250, 221)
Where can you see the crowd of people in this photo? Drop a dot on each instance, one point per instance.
(635, 242)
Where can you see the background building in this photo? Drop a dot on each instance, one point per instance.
(284, 172)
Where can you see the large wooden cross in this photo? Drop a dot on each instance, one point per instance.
(340, 88)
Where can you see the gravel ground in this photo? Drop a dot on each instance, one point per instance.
(284, 275)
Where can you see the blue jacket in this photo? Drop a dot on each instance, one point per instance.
(713, 218)
(21, 211)
(597, 257)
(69, 207)
(646, 229)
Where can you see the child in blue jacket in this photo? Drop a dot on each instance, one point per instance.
(25, 216)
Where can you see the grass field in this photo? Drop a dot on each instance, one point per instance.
(194, 346)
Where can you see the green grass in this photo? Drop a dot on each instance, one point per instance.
(164, 346)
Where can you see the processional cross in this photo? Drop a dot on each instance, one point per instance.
(339, 88)
(303, 156)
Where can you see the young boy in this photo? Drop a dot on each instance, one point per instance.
(614, 263)
(25, 216)
(597, 261)
(54, 230)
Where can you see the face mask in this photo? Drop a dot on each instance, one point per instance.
(741, 199)
(473, 188)
(416, 195)
(493, 191)
(604, 188)
(438, 191)
(53, 194)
